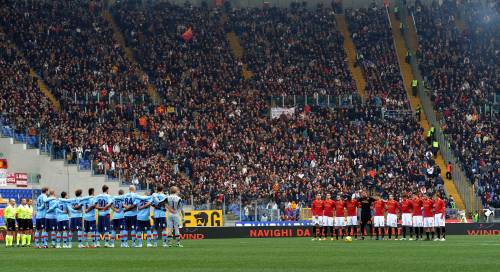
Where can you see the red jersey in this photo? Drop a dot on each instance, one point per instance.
(439, 206)
(352, 207)
(392, 206)
(406, 206)
(317, 207)
(379, 207)
(416, 204)
(328, 205)
(428, 205)
(339, 208)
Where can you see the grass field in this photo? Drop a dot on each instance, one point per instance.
(458, 253)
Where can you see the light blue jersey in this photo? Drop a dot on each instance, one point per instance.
(62, 210)
(143, 215)
(128, 199)
(102, 201)
(87, 202)
(72, 207)
(157, 199)
(118, 204)
(51, 205)
(41, 206)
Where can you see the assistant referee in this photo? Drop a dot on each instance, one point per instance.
(10, 221)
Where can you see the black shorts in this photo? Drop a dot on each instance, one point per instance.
(11, 224)
(366, 218)
(25, 224)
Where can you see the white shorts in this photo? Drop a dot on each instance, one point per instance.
(428, 222)
(352, 220)
(339, 221)
(317, 220)
(379, 221)
(418, 221)
(406, 220)
(392, 220)
(439, 220)
(328, 221)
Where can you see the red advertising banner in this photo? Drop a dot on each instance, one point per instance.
(11, 178)
(21, 180)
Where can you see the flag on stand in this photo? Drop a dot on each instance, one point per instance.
(187, 35)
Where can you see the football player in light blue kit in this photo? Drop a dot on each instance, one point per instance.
(51, 217)
(103, 204)
(75, 214)
(62, 213)
(118, 223)
(142, 204)
(160, 220)
(88, 208)
(130, 215)
(40, 233)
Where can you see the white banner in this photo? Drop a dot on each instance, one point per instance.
(277, 112)
(3, 177)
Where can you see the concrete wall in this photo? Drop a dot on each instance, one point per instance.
(54, 173)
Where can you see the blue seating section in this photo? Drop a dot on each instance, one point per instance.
(17, 194)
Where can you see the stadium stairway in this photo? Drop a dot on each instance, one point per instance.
(407, 75)
(350, 50)
(238, 52)
(118, 37)
(41, 84)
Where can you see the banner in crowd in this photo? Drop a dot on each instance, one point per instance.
(11, 178)
(21, 179)
(277, 112)
(3, 163)
(203, 218)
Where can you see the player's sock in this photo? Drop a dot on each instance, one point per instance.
(421, 232)
(37, 235)
(337, 234)
(28, 239)
(139, 238)
(94, 238)
(53, 238)
(370, 226)
(106, 237)
(342, 233)
(355, 230)
(178, 239)
(396, 232)
(164, 236)
(7, 240)
(390, 232)
(23, 239)
(133, 234)
(411, 232)
(113, 237)
(382, 230)
(169, 238)
(148, 237)
(314, 231)
(348, 230)
(123, 236)
(155, 237)
(403, 228)
(443, 231)
(58, 239)
(18, 238)
(427, 234)
(65, 238)
(376, 232)
(363, 226)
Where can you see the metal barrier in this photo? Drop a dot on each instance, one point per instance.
(465, 188)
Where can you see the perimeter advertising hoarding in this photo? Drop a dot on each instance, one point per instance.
(200, 233)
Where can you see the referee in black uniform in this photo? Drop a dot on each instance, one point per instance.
(366, 213)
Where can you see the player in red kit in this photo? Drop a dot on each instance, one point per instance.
(418, 220)
(328, 207)
(317, 217)
(392, 216)
(339, 217)
(352, 216)
(379, 218)
(428, 205)
(439, 219)
(406, 217)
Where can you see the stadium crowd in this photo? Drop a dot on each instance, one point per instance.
(461, 68)
(212, 135)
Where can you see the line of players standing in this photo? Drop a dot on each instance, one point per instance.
(418, 214)
(62, 217)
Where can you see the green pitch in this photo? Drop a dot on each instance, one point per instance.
(458, 254)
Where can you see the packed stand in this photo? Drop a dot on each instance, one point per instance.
(293, 51)
(71, 46)
(372, 37)
(462, 68)
(24, 109)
